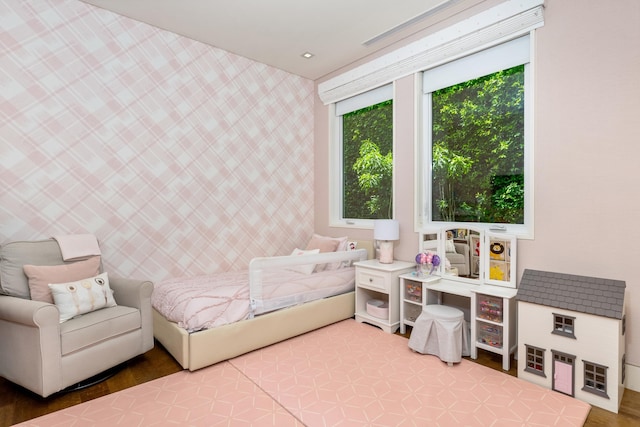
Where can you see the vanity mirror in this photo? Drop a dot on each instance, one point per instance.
(472, 255)
(461, 248)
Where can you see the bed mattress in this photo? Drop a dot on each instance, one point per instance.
(209, 301)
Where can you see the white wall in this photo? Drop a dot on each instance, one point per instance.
(587, 103)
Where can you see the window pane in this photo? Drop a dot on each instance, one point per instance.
(478, 150)
(367, 141)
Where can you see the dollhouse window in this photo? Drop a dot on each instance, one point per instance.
(595, 379)
(624, 367)
(624, 324)
(535, 360)
(564, 325)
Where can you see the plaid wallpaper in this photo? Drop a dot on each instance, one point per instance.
(180, 157)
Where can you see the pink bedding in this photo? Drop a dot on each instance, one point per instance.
(205, 302)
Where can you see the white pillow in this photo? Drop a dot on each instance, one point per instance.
(303, 268)
(449, 246)
(83, 296)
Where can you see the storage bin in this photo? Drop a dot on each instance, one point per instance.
(489, 334)
(378, 308)
(489, 308)
(411, 312)
(413, 291)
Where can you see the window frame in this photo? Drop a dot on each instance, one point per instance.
(590, 373)
(538, 358)
(336, 172)
(563, 321)
(424, 161)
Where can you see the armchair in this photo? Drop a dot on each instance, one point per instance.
(460, 258)
(45, 356)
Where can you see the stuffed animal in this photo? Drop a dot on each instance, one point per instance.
(496, 273)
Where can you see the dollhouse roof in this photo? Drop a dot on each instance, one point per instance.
(592, 295)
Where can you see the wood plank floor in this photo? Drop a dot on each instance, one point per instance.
(18, 404)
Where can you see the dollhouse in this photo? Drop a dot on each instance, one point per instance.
(571, 335)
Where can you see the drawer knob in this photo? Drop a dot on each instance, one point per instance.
(370, 279)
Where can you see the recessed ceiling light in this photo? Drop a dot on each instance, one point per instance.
(307, 55)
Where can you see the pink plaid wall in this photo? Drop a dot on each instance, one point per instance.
(181, 158)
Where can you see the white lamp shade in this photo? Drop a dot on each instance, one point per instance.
(386, 229)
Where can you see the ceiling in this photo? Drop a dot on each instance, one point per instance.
(278, 32)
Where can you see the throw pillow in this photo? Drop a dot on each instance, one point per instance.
(324, 244)
(303, 268)
(449, 246)
(82, 296)
(41, 275)
(342, 246)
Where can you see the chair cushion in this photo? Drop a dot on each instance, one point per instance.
(14, 255)
(456, 258)
(97, 326)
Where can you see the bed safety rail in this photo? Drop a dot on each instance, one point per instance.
(258, 265)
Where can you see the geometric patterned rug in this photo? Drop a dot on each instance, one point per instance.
(345, 374)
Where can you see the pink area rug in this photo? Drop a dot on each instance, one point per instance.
(346, 374)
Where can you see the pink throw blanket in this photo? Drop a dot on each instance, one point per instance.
(78, 246)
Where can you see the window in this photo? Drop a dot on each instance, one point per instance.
(475, 161)
(535, 360)
(595, 379)
(564, 325)
(363, 154)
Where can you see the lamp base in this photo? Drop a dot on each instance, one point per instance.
(386, 252)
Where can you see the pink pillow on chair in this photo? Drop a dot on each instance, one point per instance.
(41, 275)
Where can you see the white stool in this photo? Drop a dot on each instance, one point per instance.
(441, 330)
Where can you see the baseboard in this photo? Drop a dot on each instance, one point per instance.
(632, 380)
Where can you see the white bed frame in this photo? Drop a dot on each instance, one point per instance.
(203, 348)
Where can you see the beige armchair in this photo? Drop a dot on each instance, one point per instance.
(46, 356)
(460, 258)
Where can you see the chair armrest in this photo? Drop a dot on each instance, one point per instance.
(136, 293)
(28, 312)
(30, 336)
(130, 292)
(462, 249)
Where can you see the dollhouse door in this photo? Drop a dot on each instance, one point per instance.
(563, 376)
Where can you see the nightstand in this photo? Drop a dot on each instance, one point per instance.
(376, 281)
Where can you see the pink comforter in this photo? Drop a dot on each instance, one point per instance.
(205, 302)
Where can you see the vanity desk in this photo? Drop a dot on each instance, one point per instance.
(488, 300)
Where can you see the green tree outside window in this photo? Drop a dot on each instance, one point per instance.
(368, 162)
(478, 150)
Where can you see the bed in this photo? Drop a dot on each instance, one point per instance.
(269, 320)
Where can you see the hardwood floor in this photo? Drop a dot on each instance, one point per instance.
(18, 404)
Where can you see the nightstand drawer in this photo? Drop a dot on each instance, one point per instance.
(369, 280)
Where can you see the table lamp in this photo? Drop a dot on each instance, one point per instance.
(386, 231)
